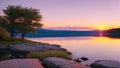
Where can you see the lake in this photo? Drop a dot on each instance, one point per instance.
(94, 48)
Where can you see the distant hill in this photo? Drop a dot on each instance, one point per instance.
(62, 33)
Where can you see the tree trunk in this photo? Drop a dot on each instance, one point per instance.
(15, 35)
(23, 35)
(12, 35)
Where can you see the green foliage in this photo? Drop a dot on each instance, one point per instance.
(25, 29)
(3, 22)
(23, 15)
(4, 35)
(50, 53)
(4, 55)
(21, 20)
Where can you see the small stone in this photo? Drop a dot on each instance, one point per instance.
(84, 58)
(77, 60)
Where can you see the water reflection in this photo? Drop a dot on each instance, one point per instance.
(113, 36)
(95, 48)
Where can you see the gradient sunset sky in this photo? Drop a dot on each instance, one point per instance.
(73, 13)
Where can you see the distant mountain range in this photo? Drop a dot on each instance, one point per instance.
(62, 33)
(70, 28)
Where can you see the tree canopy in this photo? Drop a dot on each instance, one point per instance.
(20, 19)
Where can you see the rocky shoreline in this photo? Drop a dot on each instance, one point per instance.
(50, 62)
(23, 49)
(20, 51)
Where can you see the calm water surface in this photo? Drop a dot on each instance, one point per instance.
(94, 48)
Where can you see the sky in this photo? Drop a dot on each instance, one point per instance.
(99, 14)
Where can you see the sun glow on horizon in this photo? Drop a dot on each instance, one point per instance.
(102, 27)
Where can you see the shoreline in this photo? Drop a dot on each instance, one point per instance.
(23, 48)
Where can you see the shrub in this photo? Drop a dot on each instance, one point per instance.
(50, 53)
(4, 55)
(4, 35)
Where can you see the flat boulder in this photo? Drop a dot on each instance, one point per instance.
(106, 64)
(54, 62)
(21, 63)
(29, 47)
(21, 50)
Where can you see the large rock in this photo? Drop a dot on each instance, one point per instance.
(106, 64)
(28, 47)
(21, 63)
(54, 62)
(21, 50)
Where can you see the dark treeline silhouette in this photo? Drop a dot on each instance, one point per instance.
(113, 33)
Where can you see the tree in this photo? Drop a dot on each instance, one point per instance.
(3, 21)
(23, 29)
(4, 35)
(22, 19)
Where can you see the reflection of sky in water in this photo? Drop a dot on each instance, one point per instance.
(61, 38)
(95, 48)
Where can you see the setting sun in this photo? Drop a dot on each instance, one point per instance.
(101, 28)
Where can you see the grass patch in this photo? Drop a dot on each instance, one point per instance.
(50, 53)
(4, 55)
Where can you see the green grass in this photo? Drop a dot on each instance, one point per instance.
(17, 41)
(50, 53)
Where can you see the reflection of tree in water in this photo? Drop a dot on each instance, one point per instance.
(113, 33)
